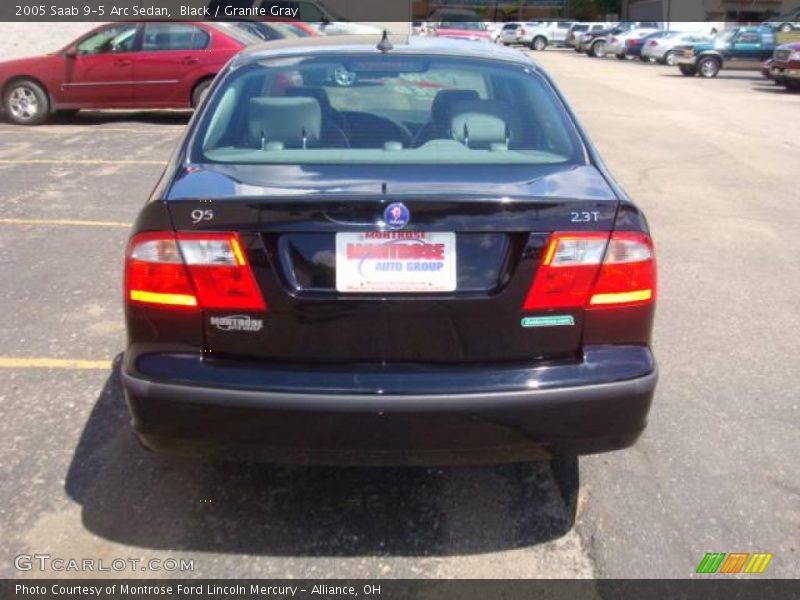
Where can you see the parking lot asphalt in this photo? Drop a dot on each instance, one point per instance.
(713, 163)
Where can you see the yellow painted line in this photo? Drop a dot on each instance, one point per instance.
(74, 161)
(63, 222)
(53, 363)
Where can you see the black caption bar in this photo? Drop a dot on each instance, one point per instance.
(256, 589)
(402, 10)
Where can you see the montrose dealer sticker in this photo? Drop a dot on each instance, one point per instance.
(237, 323)
(396, 261)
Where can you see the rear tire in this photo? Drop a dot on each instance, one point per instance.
(597, 50)
(669, 58)
(26, 103)
(687, 71)
(199, 92)
(792, 85)
(539, 43)
(708, 67)
(620, 56)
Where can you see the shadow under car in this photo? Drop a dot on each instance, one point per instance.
(138, 498)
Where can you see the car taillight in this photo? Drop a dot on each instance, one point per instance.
(594, 269)
(652, 43)
(521, 32)
(201, 270)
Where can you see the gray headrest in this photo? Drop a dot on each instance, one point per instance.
(478, 129)
(443, 102)
(285, 120)
(305, 91)
(488, 122)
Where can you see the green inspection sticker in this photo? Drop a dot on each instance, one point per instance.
(554, 321)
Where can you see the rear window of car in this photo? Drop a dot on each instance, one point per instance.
(385, 109)
(173, 36)
(247, 32)
(511, 26)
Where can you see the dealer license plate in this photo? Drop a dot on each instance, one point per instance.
(396, 261)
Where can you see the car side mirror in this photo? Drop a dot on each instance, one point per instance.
(71, 52)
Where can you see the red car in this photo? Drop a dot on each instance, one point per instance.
(460, 30)
(121, 65)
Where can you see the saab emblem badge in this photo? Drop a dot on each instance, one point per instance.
(396, 215)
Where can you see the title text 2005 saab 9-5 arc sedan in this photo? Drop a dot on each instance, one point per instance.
(121, 65)
(429, 265)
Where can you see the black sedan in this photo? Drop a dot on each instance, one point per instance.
(385, 251)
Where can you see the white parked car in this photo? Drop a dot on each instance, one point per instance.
(494, 28)
(345, 28)
(662, 50)
(508, 33)
(616, 43)
(540, 35)
(419, 28)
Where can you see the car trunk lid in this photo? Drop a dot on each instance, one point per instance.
(497, 233)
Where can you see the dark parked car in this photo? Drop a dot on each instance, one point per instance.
(431, 265)
(121, 65)
(739, 48)
(784, 67)
(789, 21)
(578, 30)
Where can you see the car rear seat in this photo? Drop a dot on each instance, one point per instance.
(441, 111)
(279, 122)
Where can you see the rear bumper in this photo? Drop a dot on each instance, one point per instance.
(319, 427)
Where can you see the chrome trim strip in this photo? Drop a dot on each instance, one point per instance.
(120, 83)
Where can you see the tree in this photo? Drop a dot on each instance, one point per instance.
(583, 10)
(608, 7)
